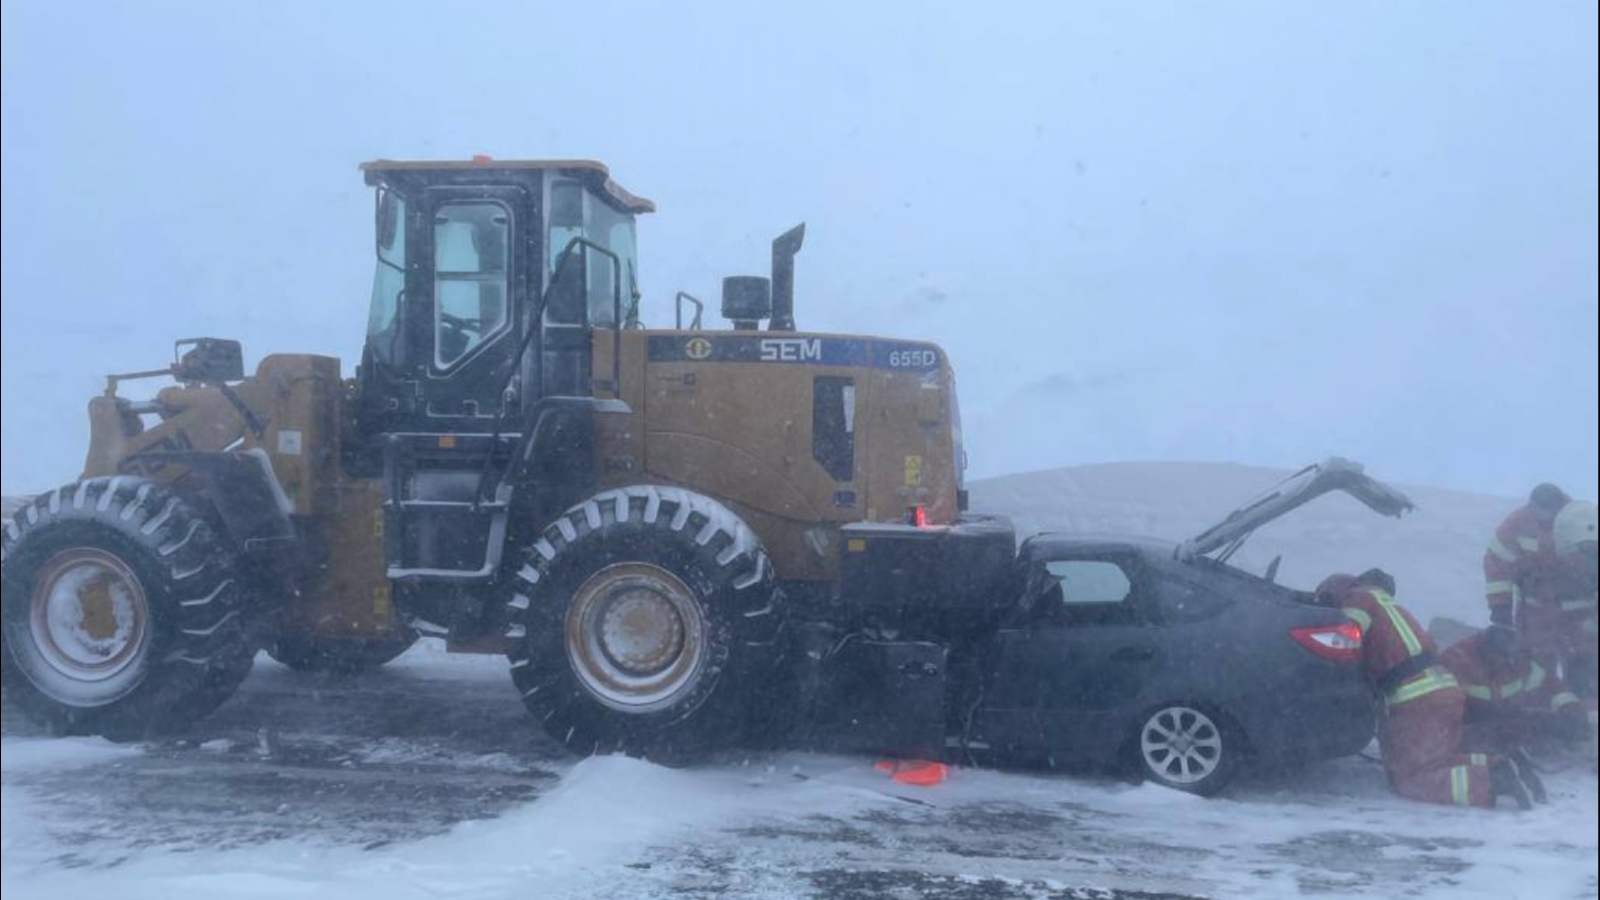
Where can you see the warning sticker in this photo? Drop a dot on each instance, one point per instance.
(913, 470)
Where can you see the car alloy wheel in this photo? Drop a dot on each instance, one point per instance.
(1181, 745)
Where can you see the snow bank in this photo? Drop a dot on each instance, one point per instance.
(18, 755)
(583, 838)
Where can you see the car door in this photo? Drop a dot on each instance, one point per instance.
(1068, 676)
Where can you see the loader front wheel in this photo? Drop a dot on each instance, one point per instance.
(122, 613)
(636, 621)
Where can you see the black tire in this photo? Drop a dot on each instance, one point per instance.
(339, 657)
(134, 551)
(1203, 754)
(664, 580)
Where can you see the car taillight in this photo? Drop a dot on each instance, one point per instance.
(1339, 643)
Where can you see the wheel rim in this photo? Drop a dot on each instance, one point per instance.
(635, 637)
(1181, 745)
(89, 627)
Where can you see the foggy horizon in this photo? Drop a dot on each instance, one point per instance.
(1259, 235)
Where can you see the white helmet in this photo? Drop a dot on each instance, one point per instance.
(1574, 526)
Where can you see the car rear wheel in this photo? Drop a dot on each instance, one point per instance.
(1187, 748)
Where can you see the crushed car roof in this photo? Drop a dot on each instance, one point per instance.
(1050, 543)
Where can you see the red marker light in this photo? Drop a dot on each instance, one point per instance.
(918, 516)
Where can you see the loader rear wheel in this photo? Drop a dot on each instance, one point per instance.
(636, 621)
(339, 657)
(122, 613)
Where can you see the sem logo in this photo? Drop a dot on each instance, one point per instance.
(697, 348)
(791, 349)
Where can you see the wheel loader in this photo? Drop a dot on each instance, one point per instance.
(669, 533)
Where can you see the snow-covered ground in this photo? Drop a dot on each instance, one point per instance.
(427, 780)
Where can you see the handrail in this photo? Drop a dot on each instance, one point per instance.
(699, 310)
(535, 327)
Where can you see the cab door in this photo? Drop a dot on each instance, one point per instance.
(465, 308)
(469, 301)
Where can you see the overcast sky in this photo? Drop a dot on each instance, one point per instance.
(1260, 232)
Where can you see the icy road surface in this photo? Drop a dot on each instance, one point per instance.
(427, 780)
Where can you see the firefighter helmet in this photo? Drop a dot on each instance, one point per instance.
(1574, 526)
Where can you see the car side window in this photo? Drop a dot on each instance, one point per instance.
(1087, 592)
(1089, 581)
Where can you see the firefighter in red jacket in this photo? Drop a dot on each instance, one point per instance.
(1513, 701)
(1540, 575)
(1423, 707)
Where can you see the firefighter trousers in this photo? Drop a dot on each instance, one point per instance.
(1421, 743)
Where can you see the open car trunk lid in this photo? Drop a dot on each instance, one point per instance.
(1333, 474)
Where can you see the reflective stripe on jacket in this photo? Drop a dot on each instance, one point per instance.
(1390, 634)
(1517, 681)
(1433, 678)
(1521, 563)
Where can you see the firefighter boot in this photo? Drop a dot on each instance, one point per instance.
(1529, 774)
(1505, 782)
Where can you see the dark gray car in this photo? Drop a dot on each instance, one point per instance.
(1160, 655)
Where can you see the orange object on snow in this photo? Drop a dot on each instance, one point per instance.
(918, 772)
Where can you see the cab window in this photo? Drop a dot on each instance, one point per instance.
(471, 279)
(389, 279)
(577, 212)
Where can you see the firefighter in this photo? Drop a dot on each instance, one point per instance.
(1540, 574)
(1514, 702)
(1419, 731)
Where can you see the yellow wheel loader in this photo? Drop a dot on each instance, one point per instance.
(666, 531)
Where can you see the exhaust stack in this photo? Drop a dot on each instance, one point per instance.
(784, 248)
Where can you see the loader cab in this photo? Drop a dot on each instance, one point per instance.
(465, 267)
(492, 283)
